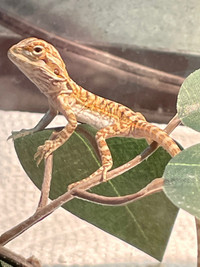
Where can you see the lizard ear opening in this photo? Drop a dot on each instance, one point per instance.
(56, 71)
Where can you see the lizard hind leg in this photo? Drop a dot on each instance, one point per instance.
(104, 151)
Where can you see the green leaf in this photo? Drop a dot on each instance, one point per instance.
(145, 224)
(188, 103)
(182, 180)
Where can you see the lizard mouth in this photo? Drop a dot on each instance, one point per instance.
(15, 54)
(11, 53)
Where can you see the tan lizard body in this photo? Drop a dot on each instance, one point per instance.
(42, 64)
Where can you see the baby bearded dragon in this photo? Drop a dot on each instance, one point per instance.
(43, 65)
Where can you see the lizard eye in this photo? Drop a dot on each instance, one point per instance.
(37, 50)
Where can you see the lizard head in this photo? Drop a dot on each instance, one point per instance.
(38, 59)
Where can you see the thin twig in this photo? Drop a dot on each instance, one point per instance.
(36, 217)
(47, 178)
(17, 260)
(46, 182)
(197, 221)
(155, 186)
(174, 122)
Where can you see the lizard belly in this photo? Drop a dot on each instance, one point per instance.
(92, 117)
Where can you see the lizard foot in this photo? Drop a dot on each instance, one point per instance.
(43, 152)
(17, 134)
(104, 174)
(71, 186)
(102, 170)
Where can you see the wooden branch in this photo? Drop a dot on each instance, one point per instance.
(155, 186)
(197, 221)
(46, 182)
(17, 260)
(174, 122)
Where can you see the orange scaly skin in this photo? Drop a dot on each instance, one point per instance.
(42, 64)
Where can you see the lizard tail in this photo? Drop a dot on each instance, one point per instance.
(143, 129)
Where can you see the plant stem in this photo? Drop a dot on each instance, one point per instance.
(46, 182)
(155, 186)
(174, 122)
(198, 241)
(17, 260)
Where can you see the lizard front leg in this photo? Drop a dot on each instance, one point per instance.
(57, 138)
(46, 119)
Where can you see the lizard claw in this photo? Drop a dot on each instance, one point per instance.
(39, 155)
(104, 174)
(102, 170)
(17, 134)
(43, 152)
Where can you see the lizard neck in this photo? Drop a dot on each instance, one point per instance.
(54, 87)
